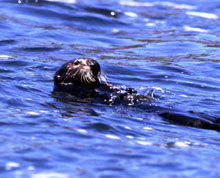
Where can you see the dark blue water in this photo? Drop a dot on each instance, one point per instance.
(169, 47)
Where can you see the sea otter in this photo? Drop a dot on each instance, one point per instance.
(81, 78)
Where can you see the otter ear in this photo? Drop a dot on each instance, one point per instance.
(56, 78)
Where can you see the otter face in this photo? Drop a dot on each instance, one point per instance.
(82, 72)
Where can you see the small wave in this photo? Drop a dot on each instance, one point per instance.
(4, 56)
(150, 24)
(177, 6)
(36, 1)
(133, 3)
(193, 29)
(112, 137)
(131, 14)
(49, 175)
(203, 15)
(146, 4)
(11, 165)
(64, 1)
(26, 1)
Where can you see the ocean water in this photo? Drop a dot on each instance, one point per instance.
(170, 48)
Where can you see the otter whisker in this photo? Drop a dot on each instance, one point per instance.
(82, 77)
(85, 78)
(91, 77)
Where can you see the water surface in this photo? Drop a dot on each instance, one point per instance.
(169, 47)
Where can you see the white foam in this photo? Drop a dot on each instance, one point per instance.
(129, 136)
(131, 14)
(137, 4)
(49, 175)
(147, 128)
(33, 113)
(160, 22)
(30, 168)
(146, 4)
(26, 1)
(158, 88)
(150, 24)
(30, 73)
(112, 137)
(193, 29)
(203, 15)
(11, 165)
(115, 30)
(144, 143)
(43, 111)
(4, 56)
(184, 96)
(177, 6)
(65, 1)
(142, 138)
(29, 99)
(146, 20)
(182, 144)
(82, 131)
(139, 118)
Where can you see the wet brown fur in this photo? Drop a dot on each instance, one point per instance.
(78, 76)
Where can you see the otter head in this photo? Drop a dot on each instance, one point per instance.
(81, 72)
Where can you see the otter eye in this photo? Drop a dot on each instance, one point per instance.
(76, 62)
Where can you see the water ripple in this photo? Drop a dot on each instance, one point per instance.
(168, 50)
